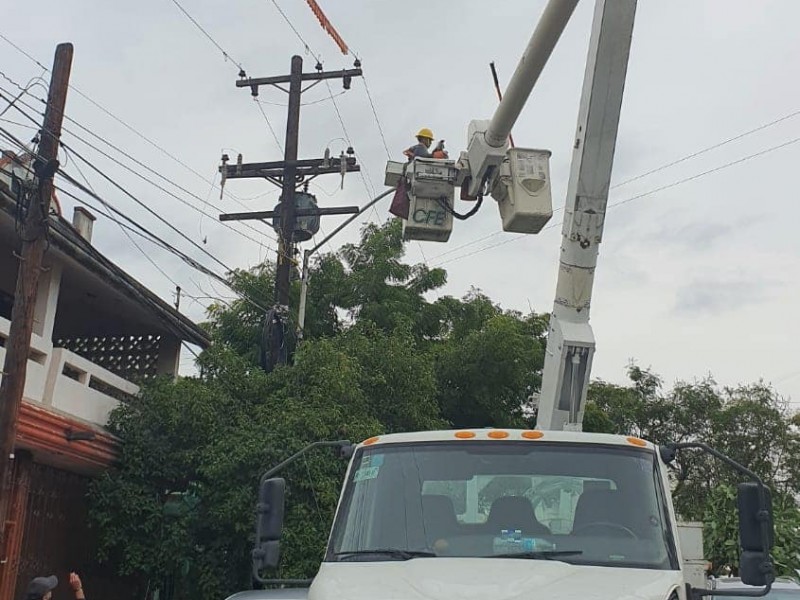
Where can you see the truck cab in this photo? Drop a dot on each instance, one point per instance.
(501, 514)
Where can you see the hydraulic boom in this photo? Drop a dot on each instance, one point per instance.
(570, 342)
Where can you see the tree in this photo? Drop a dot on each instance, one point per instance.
(487, 376)
(749, 423)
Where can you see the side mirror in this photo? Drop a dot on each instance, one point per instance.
(269, 523)
(346, 451)
(756, 533)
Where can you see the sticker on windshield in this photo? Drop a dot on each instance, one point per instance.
(365, 473)
(372, 460)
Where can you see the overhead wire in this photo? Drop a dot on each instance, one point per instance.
(122, 228)
(149, 169)
(647, 173)
(269, 125)
(153, 238)
(114, 117)
(225, 54)
(708, 149)
(97, 197)
(146, 179)
(138, 229)
(296, 32)
(639, 196)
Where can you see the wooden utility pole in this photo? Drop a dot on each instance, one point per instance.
(286, 235)
(289, 174)
(34, 242)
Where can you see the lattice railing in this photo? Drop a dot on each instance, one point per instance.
(133, 357)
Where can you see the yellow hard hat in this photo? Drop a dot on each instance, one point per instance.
(425, 133)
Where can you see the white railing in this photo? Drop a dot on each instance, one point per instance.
(69, 383)
(37, 362)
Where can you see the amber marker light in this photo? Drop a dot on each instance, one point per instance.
(497, 434)
(532, 435)
(465, 435)
(636, 441)
(370, 441)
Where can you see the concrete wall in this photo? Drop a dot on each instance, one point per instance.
(65, 381)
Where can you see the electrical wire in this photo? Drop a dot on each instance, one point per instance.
(271, 130)
(310, 103)
(296, 32)
(108, 113)
(141, 231)
(639, 196)
(647, 173)
(377, 120)
(122, 228)
(226, 55)
(149, 236)
(708, 149)
(154, 172)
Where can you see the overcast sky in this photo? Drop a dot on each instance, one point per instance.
(700, 277)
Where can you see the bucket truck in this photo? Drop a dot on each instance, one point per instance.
(552, 512)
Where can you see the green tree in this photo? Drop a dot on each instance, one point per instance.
(749, 423)
(487, 376)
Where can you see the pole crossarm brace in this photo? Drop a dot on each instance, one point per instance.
(275, 169)
(299, 212)
(258, 81)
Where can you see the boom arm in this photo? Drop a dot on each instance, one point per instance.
(488, 140)
(570, 342)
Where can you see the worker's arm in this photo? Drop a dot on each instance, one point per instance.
(418, 151)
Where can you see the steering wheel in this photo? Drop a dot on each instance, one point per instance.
(607, 525)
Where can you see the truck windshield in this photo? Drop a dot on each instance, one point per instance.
(593, 505)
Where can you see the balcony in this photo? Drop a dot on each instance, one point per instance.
(69, 383)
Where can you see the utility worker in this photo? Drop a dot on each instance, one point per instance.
(424, 141)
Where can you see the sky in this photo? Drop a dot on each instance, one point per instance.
(698, 269)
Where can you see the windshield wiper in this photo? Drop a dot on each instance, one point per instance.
(396, 553)
(538, 555)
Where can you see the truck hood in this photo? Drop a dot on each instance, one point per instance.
(481, 579)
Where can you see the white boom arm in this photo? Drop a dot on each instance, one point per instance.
(570, 342)
(488, 140)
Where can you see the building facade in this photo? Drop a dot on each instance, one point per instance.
(98, 335)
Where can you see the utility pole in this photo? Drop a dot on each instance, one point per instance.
(288, 174)
(286, 237)
(34, 242)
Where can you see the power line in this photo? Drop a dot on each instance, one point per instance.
(708, 149)
(142, 204)
(638, 196)
(271, 130)
(650, 172)
(310, 103)
(147, 235)
(377, 120)
(124, 229)
(139, 175)
(140, 229)
(296, 32)
(225, 54)
(118, 119)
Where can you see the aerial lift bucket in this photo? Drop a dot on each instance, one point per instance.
(431, 190)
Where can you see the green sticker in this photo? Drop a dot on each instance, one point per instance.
(366, 473)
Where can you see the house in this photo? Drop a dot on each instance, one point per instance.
(98, 334)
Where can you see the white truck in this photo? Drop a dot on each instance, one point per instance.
(507, 514)
(551, 512)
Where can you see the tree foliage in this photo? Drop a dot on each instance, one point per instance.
(380, 355)
(749, 423)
